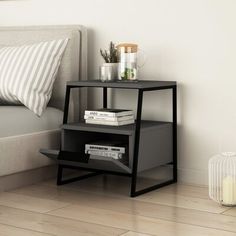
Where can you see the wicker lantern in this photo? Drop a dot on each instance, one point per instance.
(222, 178)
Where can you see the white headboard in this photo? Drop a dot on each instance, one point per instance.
(74, 62)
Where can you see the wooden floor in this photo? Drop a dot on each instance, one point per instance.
(101, 206)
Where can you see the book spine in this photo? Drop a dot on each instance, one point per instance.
(102, 122)
(113, 155)
(100, 113)
(100, 118)
(114, 119)
(112, 123)
(92, 147)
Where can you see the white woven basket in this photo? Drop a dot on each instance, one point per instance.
(222, 178)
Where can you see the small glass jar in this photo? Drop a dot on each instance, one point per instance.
(108, 72)
(128, 66)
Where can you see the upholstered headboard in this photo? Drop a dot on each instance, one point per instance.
(74, 62)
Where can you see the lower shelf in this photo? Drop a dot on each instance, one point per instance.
(95, 162)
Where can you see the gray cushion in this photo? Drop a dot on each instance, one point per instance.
(18, 120)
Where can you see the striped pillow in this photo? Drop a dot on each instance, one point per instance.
(27, 73)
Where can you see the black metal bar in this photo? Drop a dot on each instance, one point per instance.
(158, 88)
(157, 186)
(95, 170)
(136, 142)
(174, 104)
(144, 89)
(66, 106)
(59, 174)
(104, 97)
(74, 179)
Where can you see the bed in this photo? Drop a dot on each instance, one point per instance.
(22, 133)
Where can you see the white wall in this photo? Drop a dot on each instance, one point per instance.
(191, 41)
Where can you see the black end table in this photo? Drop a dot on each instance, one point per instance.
(136, 130)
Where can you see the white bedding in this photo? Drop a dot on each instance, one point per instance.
(21, 153)
(19, 120)
(22, 134)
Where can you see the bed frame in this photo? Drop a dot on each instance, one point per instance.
(29, 167)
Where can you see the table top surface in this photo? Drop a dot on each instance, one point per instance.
(140, 84)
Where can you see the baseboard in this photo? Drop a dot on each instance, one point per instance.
(25, 178)
(190, 176)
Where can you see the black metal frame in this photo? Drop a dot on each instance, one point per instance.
(133, 175)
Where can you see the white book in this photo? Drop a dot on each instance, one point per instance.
(107, 118)
(114, 155)
(112, 123)
(105, 112)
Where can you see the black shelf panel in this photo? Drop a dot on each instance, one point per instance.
(140, 84)
(124, 129)
(94, 162)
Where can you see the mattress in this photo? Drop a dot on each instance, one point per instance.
(18, 120)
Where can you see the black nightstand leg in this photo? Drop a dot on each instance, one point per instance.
(104, 97)
(136, 143)
(135, 193)
(174, 104)
(66, 106)
(65, 119)
(59, 174)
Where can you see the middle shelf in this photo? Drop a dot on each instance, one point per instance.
(124, 129)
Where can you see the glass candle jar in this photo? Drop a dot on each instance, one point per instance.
(222, 178)
(128, 67)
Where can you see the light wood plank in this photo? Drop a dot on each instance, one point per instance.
(134, 222)
(109, 184)
(132, 206)
(6, 230)
(191, 197)
(230, 212)
(120, 186)
(54, 225)
(182, 201)
(29, 203)
(131, 233)
(186, 190)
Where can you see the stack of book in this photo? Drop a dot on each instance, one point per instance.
(115, 117)
(115, 150)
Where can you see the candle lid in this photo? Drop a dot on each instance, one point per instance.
(128, 47)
